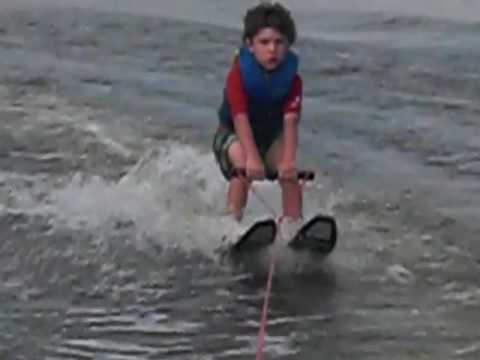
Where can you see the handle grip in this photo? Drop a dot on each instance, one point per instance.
(305, 175)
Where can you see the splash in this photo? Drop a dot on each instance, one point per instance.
(174, 194)
(170, 194)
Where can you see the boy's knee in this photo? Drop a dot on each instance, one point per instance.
(236, 154)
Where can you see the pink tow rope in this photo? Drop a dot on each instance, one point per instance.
(271, 270)
(305, 175)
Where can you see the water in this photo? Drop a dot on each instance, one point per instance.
(110, 198)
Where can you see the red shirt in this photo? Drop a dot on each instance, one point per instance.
(237, 97)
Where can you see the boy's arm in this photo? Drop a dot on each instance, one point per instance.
(245, 136)
(291, 118)
(290, 138)
(237, 100)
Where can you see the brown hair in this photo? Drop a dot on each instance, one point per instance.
(269, 15)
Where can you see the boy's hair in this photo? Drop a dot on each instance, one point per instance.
(265, 15)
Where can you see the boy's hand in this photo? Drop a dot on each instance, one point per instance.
(287, 171)
(255, 169)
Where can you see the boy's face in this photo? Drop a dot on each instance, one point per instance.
(269, 47)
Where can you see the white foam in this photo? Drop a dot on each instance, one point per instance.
(174, 194)
(164, 194)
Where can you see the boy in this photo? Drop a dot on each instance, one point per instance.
(259, 115)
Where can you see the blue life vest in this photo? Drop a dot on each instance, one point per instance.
(265, 87)
(266, 91)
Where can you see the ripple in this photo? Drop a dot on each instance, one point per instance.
(469, 296)
(400, 274)
(469, 350)
(274, 345)
(470, 168)
(109, 346)
(173, 328)
(290, 320)
(451, 159)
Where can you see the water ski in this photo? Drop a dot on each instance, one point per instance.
(318, 235)
(260, 235)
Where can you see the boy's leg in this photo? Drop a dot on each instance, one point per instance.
(229, 155)
(291, 189)
(238, 186)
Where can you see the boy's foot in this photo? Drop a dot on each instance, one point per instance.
(236, 214)
(289, 228)
(232, 227)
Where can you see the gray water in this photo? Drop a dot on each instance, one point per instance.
(110, 198)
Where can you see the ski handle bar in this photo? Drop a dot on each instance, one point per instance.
(304, 175)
